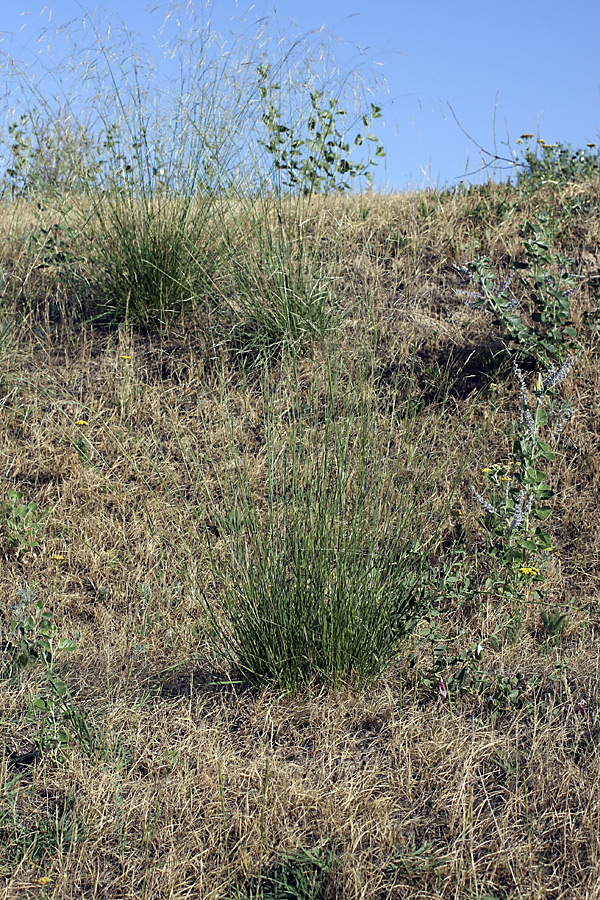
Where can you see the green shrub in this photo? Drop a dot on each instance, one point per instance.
(559, 163)
(50, 153)
(538, 324)
(321, 160)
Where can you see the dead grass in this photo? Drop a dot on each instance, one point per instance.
(197, 784)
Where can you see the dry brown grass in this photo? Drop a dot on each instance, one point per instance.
(195, 784)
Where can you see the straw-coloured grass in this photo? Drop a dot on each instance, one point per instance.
(191, 784)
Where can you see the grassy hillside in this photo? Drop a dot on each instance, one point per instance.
(260, 636)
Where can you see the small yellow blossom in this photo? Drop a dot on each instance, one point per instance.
(57, 556)
(486, 471)
(526, 136)
(82, 422)
(518, 141)
(125, 357)
(528, 570)
(591, 145)
(43, 880)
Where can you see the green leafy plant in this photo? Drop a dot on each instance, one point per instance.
(61, 721)
(83, 448)
(558, 163)
(33, 640)
(21, 522)
(553, 622)
(519, 491)
(466, 674)
(450, 667)
(452, 670)
(50, 153)
(416, 860)
(33, 636)
(321, 160)
(542, 329)
(449, 673)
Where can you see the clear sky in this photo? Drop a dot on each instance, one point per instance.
(503, 69)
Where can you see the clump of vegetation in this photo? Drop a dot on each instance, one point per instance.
(536, 322)
(325, 577)
(21, 522)
(296, 876)
(542, 163)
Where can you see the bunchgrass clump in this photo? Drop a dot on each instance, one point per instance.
(283, 292)
(323, 571)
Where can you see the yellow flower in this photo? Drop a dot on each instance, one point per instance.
(125, 357)
(57, 556)
(526, 137)
(528, 570)
(486, 471)
(591, 145)
(81, 422)
(519, 141)
(43, 880)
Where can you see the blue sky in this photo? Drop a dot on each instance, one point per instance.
(504, 69)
